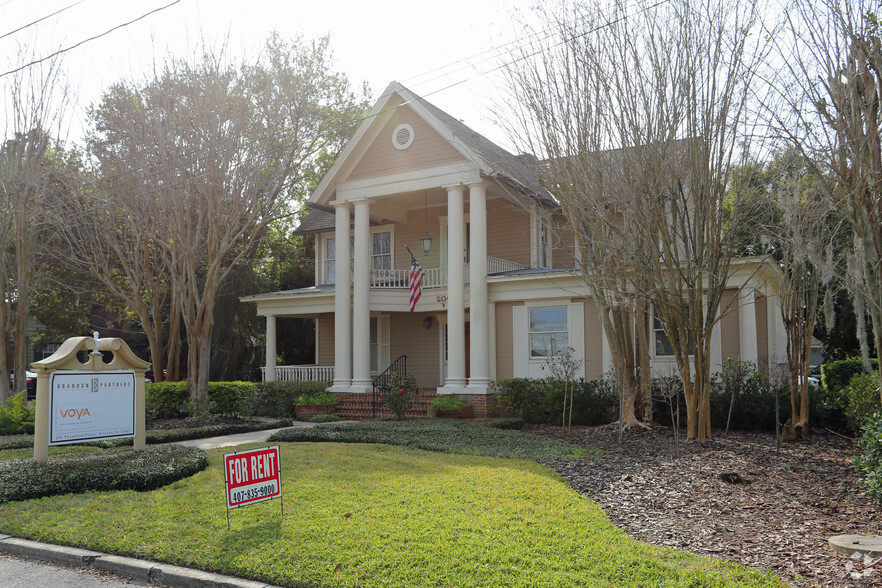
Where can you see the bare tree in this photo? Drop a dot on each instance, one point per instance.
(831, 90)
(639, 115)
(36, 99)
(211, 155)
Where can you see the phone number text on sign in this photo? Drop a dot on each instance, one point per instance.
(252, 476)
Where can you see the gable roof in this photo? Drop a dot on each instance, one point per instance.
(488, 158)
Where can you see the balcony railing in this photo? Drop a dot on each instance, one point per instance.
(302, 373)
(434, 277)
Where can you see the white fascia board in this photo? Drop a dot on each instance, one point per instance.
(294, 305)
(399, 301)
(362, 138)
(443, 130)
(537, 287)
(410, 181)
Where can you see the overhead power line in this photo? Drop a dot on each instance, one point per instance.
(39, 20)
(105, 33)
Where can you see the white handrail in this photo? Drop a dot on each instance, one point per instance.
(433, 277)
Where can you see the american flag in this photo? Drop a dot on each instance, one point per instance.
(416, 282)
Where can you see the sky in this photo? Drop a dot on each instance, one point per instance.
(443, 51)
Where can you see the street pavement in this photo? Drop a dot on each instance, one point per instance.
(30, 564)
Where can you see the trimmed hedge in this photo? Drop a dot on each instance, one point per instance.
(108, 469)
(541, 401)
(278, 399)
(169, 400)
(836, 375)
(862, 397)
(158, 436)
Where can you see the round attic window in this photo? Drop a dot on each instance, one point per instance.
(402, 136)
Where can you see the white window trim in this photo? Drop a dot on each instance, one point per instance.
(384, 229)
(526, 366)
(536, 222)
(322, 267)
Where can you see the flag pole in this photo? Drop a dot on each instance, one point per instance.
(412, 258)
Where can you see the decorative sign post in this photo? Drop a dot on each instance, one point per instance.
(85, 401)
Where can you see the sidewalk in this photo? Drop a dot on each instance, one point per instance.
(144, 571)
(238, 439)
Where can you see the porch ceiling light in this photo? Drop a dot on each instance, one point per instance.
(427, 242)
(426, 239)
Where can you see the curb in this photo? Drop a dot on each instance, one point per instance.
(127, 567)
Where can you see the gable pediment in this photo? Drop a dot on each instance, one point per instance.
(427, 150)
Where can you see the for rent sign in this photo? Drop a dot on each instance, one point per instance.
(86, 406)
(252, 476)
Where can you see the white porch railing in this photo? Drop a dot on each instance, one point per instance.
(434, 277)
(496, 265)
(302, 373)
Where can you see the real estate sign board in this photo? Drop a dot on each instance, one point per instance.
(252, 475)
(87, 406)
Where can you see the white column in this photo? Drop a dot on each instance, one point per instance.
(479, 344)
(491, 327)
(456, 379)
(270, 371)
(747, 324)
(342, 302)
(361, 300)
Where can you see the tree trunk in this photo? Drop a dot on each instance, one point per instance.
(644, 369)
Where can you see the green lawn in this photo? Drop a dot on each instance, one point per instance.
(376, 515)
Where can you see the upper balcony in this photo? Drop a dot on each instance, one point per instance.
(434, 277)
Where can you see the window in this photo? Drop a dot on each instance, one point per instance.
(663, 345)
(382, 251)
(330, 258)
(548, 331)
(544, 260)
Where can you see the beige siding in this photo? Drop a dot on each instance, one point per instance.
(409, 233)
(409, 337)
(762, 333)
(593, 342)
(562, 255)
(429, 149)
(504, 334)
(730, 331)
(324, 330)
(508, 231)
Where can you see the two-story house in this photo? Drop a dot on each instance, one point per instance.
(501, 292)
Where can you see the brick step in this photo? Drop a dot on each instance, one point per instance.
(360, 406)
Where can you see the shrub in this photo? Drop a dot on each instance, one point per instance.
(754, 401)
(827, 409)
(862, 395)
(837, 374)
(227, 397)
(869, 465)
(107, 469)
(398, 393)
(541, 401)
(324, 418)
(316, 397)
(16, 417)
(447, 402)
(166, 400)
(278, 398)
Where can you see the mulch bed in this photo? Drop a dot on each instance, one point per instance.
(734, 497)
